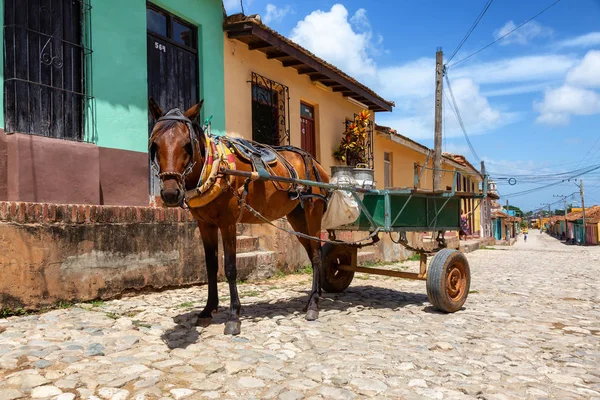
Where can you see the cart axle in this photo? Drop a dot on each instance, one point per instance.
(385, 272)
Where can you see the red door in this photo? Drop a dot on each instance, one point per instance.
(307, 129)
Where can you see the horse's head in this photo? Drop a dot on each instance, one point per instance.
(176, 147)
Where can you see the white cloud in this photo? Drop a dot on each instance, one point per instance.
(276, 14)
(478, 116)
(416, 78)
(588, 40)
(559, 104)
(232, 5)
(587, 72)
(456, 148)
(348, 42)
(575, 96)
(342, 41)
(518, 69)
(519, 89)
(523, 35)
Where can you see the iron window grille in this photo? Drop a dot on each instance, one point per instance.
(270, 111)
(370, 146)
(47, 57)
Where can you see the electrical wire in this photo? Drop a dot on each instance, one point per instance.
(473, 26)
(460, 121)
(553, 176)
(590, 150)
(524, 192)
(505, 35)
(529, 169)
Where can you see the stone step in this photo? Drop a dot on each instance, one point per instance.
(366, 256)
(247, 243)
(254, 265)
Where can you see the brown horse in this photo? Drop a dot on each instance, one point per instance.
(177, 146)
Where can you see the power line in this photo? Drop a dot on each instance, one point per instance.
(589, 151)
(553, 176)
(460, 121)
(479, 17)
(524, 192)
(505, 35)
(543, 167)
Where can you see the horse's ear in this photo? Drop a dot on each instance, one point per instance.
(155, 109)
(194, 111)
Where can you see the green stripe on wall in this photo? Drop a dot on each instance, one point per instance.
(120, 84)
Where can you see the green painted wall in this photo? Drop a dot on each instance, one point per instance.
(119, 74)
(117, 117)
(120, 117)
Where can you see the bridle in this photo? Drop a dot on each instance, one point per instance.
(176, 115)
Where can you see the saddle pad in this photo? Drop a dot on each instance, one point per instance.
(247, 150)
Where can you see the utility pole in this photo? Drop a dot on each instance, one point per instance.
(437, 155)
(508, 229)
(550, 220)
(582, 207)
(485, 209)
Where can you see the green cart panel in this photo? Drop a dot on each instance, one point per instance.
(419, 214)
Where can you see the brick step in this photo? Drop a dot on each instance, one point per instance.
(366, 256)
(247, 244)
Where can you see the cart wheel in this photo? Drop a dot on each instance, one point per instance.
(334, 280)
(448, 280)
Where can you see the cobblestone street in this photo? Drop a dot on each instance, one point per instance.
(530, 329)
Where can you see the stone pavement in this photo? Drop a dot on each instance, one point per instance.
(530, 329)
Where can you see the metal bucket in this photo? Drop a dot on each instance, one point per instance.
(342, 175)
(364, 177)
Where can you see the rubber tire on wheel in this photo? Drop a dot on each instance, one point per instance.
(334, 280)
(448, 280)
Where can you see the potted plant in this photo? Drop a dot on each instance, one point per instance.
(352, 151)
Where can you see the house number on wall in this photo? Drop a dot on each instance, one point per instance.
(160, 47)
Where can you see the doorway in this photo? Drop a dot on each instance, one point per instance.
(173, 67)
(307, 129)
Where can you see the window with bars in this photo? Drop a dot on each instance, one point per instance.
(270, 111)
(44, 67)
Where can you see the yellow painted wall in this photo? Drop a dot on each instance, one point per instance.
(331, 109)
(403, 160)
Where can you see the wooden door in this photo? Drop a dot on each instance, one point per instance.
(307, 129)
(172, 67)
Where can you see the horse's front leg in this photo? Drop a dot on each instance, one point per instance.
(312, 308)
(233, 326)
(210, 241)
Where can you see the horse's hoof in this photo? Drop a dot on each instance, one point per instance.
(312, 315)
(233, 328)
(203, 321)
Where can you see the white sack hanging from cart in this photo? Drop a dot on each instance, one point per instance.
(342, 207)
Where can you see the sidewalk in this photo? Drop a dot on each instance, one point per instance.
(469, 245)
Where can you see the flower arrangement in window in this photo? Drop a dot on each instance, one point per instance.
(353, 146)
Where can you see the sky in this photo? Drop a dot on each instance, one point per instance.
(530, 103)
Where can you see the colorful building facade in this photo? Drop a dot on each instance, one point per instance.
(77, 78)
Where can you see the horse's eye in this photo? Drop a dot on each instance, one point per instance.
(189, 149)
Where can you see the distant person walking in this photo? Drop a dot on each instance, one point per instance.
(525, 232)
(464, 225)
